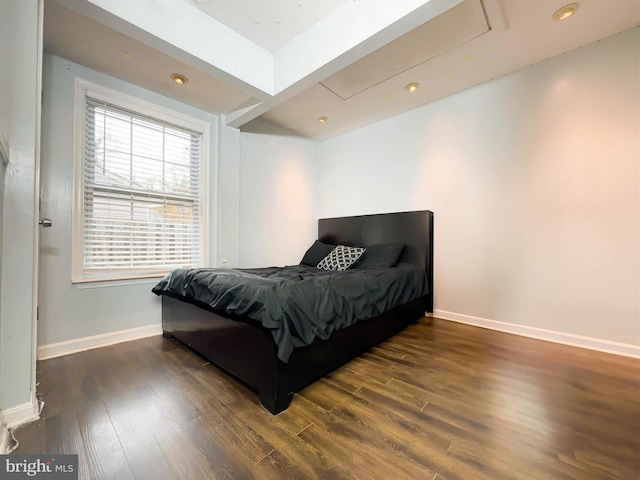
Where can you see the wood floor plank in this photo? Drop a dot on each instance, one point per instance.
(173, 394)
(383, 460)
(352, 378)
(30, 438)
(342, 441)
(206, 399)
(277, 466)
(232, 431)
(102, 451)
(148, 462)
(189, 459)
(56, 390)
(291, 454)
(127, 412)
(409, 396)
(420, 444)
(226, 458)
(324, 394)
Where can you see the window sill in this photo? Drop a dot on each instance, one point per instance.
(116, 282)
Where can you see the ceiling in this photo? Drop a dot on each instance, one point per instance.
(270, 24)
(292, 61)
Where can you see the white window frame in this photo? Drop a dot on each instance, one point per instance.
(83, 89)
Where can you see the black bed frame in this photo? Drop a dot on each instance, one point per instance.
(247, 350)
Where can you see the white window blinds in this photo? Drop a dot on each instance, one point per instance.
(142, 194)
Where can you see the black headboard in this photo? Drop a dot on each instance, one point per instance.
(414, 229)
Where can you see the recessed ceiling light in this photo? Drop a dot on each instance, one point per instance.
(323, 119)
(412, 87)
(565, 12)
(179, 78)
(201, 1)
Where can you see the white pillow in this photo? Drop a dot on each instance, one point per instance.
(341, 258)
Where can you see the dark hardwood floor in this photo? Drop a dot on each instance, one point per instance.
(438, 401)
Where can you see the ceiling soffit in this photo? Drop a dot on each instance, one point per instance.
(453, 28)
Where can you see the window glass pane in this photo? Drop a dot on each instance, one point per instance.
(178, 148)
(141, 194)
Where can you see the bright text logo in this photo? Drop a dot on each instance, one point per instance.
(51, 467)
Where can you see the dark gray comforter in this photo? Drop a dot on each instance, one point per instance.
(298, 303)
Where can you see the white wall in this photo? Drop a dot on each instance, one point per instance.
(278, 197)
(2, 170)
(70, 311)
(534, 181)
(268, 217)
(228, 208)
(18, 94)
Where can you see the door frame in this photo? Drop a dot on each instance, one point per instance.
(36, 236)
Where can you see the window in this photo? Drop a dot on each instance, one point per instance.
(140, 203)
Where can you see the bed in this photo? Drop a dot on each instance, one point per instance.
(247, 349)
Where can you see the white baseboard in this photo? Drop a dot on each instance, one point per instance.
(608, 346)
(14, 417)
(21, 414)
(87, 343)
(4, 436)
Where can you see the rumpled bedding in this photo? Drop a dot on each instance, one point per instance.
(297, 303)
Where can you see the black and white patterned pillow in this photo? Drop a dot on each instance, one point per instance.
(341, 258)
